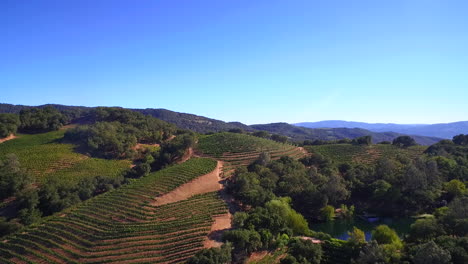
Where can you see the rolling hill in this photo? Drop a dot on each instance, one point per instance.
(445, 130)
(203, 124)
(301, 133)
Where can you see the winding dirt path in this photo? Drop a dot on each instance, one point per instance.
(207, 183)
(188, 154)
(10, 137)
(221, 224)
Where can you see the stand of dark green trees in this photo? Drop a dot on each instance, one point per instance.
(274, 197)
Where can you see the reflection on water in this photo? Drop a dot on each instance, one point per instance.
(340, 227)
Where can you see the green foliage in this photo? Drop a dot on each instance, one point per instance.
(455, 188)
(261, 134)
(430, 252)
(357, 236)
(9, 124)
(34, 120)
(460, 140)
(213, 255)
(371, 253)
(425, 229)
(295, 221)
(364, 140)
(105, 139)
(117, 131)
(12, 178)
(243, 239)
(456, 246)
(404, 141)
(385, 235)
(279, 138)
(327, 213)
(173, 150)
(304, 252)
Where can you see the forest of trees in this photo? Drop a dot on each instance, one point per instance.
(278, 198)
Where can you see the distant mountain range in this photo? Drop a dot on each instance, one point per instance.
(445, 130)
(203, 124)
(303, 133)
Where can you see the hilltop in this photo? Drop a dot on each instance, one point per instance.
(203, 124)
(444, 130)
(301, 133)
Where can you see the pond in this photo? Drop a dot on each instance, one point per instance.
(339, 228)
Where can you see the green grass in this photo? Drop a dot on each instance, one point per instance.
(349, 153)
(121, 225)
(221, 143)
(44, 156)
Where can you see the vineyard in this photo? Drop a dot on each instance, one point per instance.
(241, 150)
(342, 153)
(122, 226)
(45, 157)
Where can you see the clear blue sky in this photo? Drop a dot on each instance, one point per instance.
(250, 61)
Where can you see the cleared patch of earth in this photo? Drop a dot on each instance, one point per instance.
(10, 137)
(207, 183)
(221, 224)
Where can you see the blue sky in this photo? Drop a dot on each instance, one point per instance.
(250, 61)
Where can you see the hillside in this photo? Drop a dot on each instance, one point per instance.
(45, 157)
(192, 122)
(122, 226)
(302, 133)
(195, 123)
(360, 154)
(446, 130)
(202, 124)
(241, 150)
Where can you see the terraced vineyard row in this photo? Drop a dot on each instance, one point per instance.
(226, 143)
(364, 154)
(45, 157)
(240, 150)
(122, 227)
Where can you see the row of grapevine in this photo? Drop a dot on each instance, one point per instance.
(121, 226)
(240, 150)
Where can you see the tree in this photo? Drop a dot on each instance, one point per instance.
(327, 213)
(243, 239)
(385, 235)
(279, 138)
(305, 251)
(213, 255)
(8, 227)
(372, 253)
(35, 120)
(293, 219)
(455, 188)
(236, 130)
(430, 252)
(404, 141)
(364, 140)
(12, 178)
(262, 134)
(460, 140)
(8, 124)
(335, 189)
(425, 229)
(357, 236)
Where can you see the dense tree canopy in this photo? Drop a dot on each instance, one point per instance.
(35, 120)
(404, 141)
(117, 131)
(9, 124)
